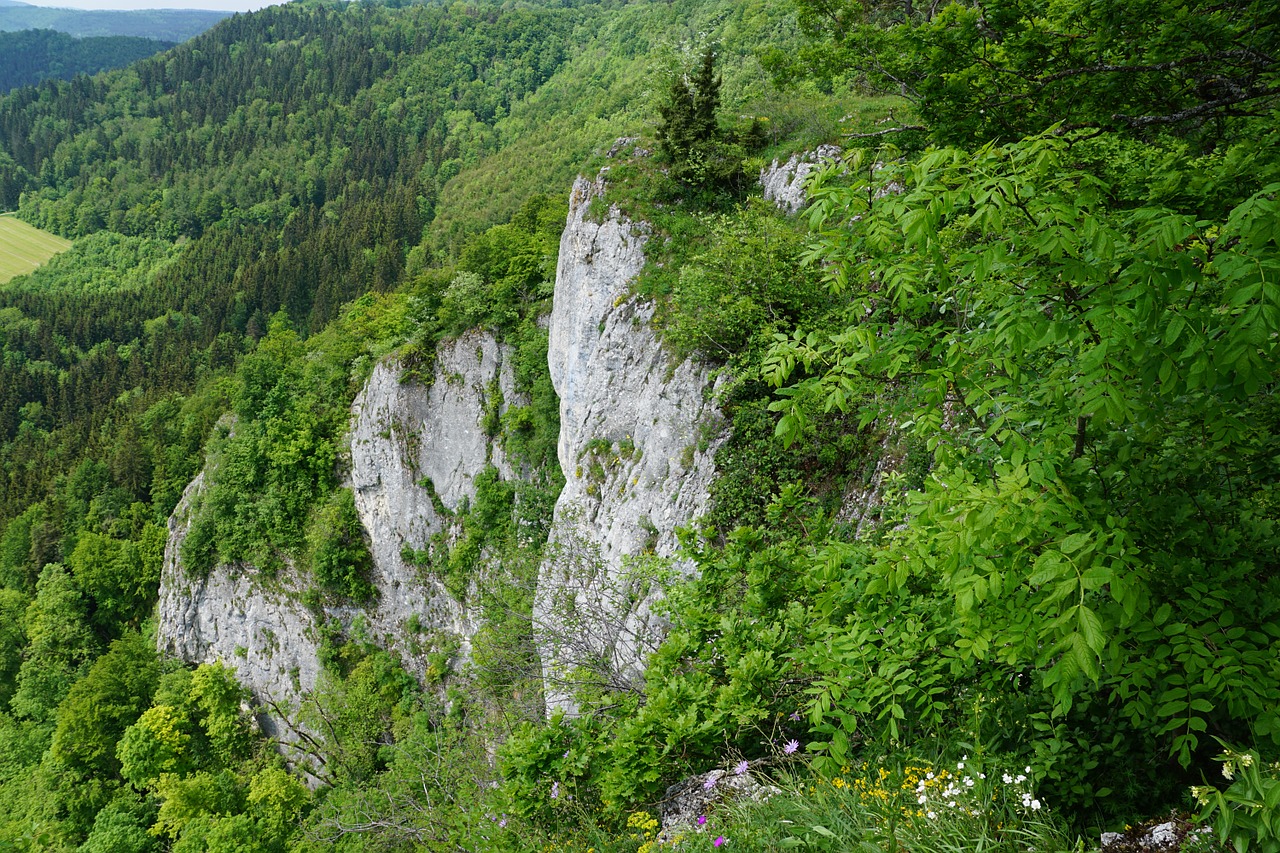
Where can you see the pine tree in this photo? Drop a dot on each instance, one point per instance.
(689, 135)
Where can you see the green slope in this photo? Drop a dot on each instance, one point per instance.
(23, 248)
(170, 25)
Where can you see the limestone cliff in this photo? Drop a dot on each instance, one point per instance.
(415, 451)
(638, 436)
(637, 443)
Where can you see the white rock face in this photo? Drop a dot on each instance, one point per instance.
(403, 435)
(784, 184)
(637, 444)
(263, 633)
(638, 437)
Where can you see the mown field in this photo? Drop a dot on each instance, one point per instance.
(23, 247)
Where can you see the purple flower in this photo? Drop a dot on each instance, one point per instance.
(794, 717)
(502, 824)
(790, 747)
(555, 790)
(741, 768)
(702, 820)
(566, 754)
(709, 783)
(718, 842)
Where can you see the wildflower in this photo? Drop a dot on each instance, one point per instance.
(502, 824)
(555, 790)
(702, 820)
(1202, 794)
(794, 716)
(932, 815)
(1035, 805)
(566, 754)
(740, 768)
(709, 783)
(790, 747)
(719, 842)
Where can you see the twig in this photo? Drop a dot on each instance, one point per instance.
(902, 129)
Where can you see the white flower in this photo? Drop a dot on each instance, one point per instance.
(931, 815)
(968, 783)
(960, 765)
(1008, 780)
(1035, 805)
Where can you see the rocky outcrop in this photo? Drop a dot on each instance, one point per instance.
(415, 452)
(784, 183)
(637, 443)
(261, 631)
(689, 806)
(638, 436)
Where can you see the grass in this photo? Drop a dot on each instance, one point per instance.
(24, 247)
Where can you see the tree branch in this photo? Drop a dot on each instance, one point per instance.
(1206, 108)
(886, 131)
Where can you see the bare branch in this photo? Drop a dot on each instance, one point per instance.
(1252, 57)
(1207, 108)
(886, 131)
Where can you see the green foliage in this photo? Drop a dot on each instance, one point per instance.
(913, 805)
(60, 646)
(1245, 813)
(1008, 70)
(1084, 351)
(155, 744)
(33, 55)
(689, 134)
(13, 637)
(358, 712)
(340, 558)
(743, 284)
(121, 826)
(92, 719)
(122, 576)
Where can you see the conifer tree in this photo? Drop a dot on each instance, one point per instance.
(689, 135)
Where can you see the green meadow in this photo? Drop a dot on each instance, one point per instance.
(24, 247)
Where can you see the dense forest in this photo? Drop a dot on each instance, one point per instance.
(30, 56)
(169, 25)
(1036, 294)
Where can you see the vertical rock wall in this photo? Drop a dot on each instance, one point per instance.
(415, 453)
(637, 444)
(638, 435)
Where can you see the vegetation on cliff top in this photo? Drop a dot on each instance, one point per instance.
(1033, 311)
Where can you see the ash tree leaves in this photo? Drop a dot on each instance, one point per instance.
(1003, 70)
(1096, 383)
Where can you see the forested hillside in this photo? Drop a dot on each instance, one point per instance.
(171, 25)
(991, 554)
(29, 56)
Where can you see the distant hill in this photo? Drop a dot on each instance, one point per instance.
(169, 25)
(29, 56)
